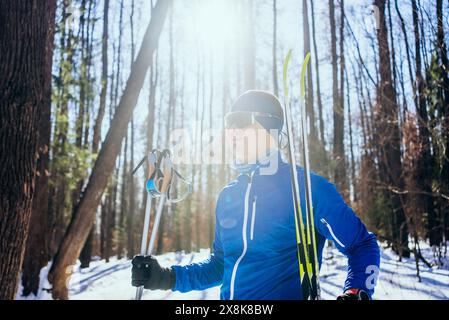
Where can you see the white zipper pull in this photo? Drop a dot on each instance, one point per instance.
(253, 217)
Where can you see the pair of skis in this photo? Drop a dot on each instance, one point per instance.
(305, 225)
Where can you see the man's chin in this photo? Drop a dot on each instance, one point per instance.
(244, 160)
(244, 163)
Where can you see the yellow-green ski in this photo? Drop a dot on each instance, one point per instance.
(313, 267)
(302, 246)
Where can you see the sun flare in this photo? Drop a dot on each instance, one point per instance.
(214, 23)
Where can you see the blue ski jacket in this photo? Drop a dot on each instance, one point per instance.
(255, 253)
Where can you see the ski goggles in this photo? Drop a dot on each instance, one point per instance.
(244, 119)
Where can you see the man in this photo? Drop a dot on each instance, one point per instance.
(254, 253)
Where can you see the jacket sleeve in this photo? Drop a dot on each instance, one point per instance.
(205, 274)
(336, 221)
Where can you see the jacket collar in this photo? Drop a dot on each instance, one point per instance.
(268, 166)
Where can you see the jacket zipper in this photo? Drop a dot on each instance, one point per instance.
(245, 241)
(332, 232)
(253, 217)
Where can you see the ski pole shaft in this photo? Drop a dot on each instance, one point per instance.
(150, 249)
(157, 220)
(139, 292)
(146, 226)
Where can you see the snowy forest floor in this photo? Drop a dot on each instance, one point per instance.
(397, 280)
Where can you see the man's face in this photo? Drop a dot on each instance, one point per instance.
(248, 144)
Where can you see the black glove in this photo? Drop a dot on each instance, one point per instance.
(147, 273)
(354, 294)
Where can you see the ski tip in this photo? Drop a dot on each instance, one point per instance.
(303, 74)
(286, 63)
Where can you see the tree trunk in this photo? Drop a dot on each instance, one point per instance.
(309, 92)
(249, 53)
(132, 197)
(103, 226)
(82, 122)
(123, 201)
(389, 138)
(111, 212)
(274, 50)
(318, 83)
(424, 166)
(338, 151)
(393, 48)
(25, 81)
(334, 70)
(36, 253)
(58, 191)
(84, 217)
(86, 252)
(340, 115)
(111, 234)
(104, 80)
(351, 141)
(444, 177)
(407, 48)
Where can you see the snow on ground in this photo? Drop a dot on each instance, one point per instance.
(397, 281)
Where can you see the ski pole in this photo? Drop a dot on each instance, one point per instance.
(167, 169)
(143, 246)
(157, 220)
(146, 225)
